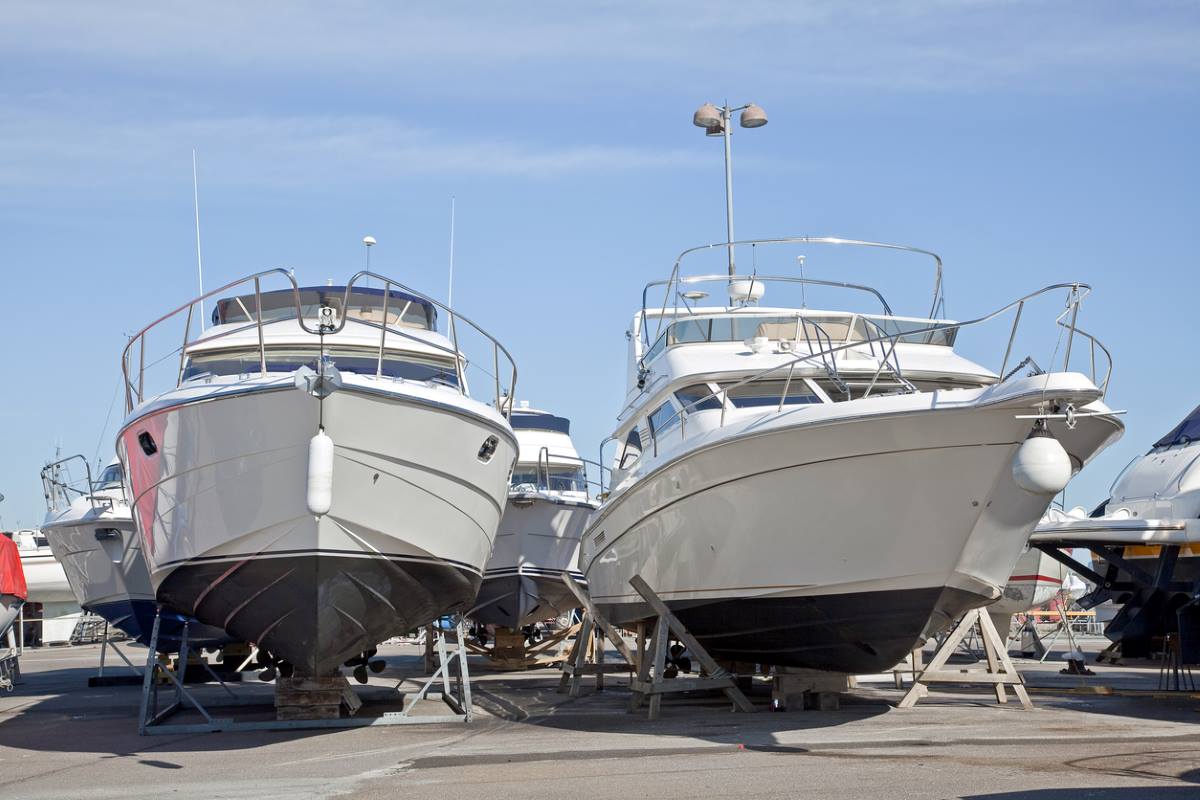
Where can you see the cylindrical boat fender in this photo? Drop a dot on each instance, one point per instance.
(1041, 465)
(320, 473)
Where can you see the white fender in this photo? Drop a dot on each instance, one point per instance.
(320, 474)
(1041, 465)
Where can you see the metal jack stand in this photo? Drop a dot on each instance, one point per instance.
(100, 679)
(1000, 671)
(152, 720)
(10, 665)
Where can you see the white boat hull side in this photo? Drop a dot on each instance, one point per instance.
(229, 538)
(829, 546)
(45, 578)
(538, 541)
(100, 570)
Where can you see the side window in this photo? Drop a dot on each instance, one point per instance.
(632, 450)
(697, 398)
(663, 418)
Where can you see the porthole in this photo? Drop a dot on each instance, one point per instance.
(147, 443)
(488, 449)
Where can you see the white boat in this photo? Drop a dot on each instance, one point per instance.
(90, 531)
(538, 542)
(56, 612)
(1146, 541)
(318, 477)
(822, 489)
(1036, 580)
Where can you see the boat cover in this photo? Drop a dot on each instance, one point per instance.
(12, 577)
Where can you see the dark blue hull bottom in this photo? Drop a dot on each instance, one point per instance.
(135, 618)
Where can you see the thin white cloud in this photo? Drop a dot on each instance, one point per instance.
(49, 149)
(915, 45)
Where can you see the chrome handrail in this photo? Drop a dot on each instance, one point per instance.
(1076, 295)
(55, 488)
(831, 240)
(135, 391)
(543, 469)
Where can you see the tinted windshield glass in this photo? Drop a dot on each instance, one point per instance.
(559, 479)
(110, 478)
(1183, 433)
(768, 393)
(365, 304)
(246, 363)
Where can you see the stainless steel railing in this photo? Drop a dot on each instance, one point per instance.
(543, 472)
(58, 486)
(888, 359)
(675, 281)
(133, 358)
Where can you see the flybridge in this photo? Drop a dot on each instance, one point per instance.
(405, 309)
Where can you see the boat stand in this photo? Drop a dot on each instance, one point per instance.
(10, 663)
(1000, 671)
(152, 720)
(509, 649)
(108, 641)
(650, 661)
(586, 656)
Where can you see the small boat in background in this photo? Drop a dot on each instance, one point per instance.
(51, 611)
(90, 530)
(549, 503)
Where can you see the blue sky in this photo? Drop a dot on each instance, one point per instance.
(1028, 143)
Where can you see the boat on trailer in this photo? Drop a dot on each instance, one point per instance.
(90, 530)
(824, 489)
(549, 502)
(318, 476)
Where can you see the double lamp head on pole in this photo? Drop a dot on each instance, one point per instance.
(717, 121)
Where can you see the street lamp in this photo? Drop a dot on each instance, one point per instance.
(717, 121)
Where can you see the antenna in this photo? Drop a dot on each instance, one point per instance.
(199, 261)
(368, 242)
(450, 289)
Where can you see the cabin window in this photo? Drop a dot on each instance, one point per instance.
(697, 398)
(632, 450)
(561, 478)
(110, 478)
(245, 362)
(758, 394)
(663, 418)
(941, 335)
(404, 310)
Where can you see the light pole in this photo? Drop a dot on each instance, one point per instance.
(718, 121)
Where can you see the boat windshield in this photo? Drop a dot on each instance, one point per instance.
(246, 362)
(110, 478)
(564, 478)
(403, 310)
(1185, 432)
(823, 330)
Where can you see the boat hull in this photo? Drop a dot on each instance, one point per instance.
(827, 545)
(537, 543)
(221, 505)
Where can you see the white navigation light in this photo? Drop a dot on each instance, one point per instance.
(1041, 465)
(320, 474)
(368, 240)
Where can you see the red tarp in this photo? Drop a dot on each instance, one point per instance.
(12, 577)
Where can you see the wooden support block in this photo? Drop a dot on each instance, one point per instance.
(311, 698)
